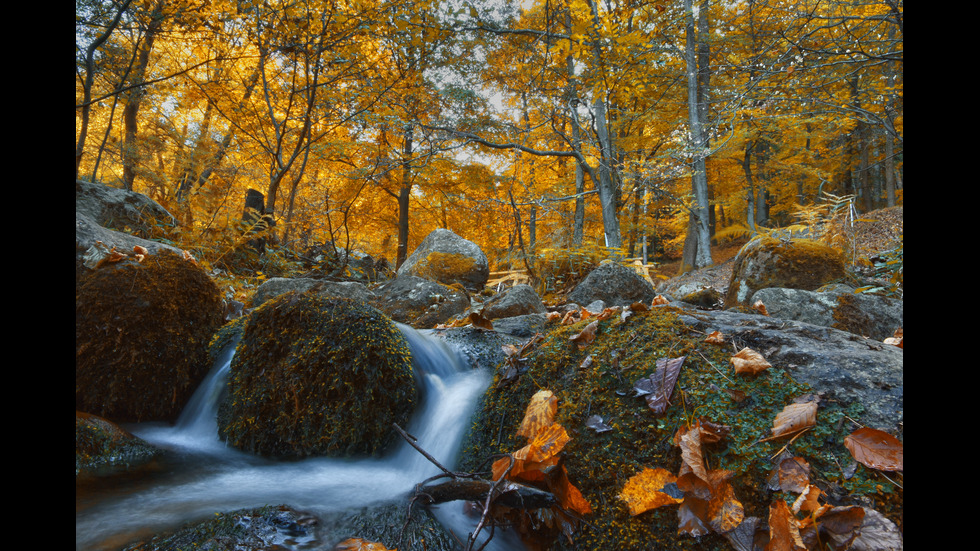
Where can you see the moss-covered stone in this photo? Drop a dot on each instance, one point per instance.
(792, 264)
(317, 375)
(102, 447)
(141, 337)
(600, 463)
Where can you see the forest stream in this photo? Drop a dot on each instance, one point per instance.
(203, 476)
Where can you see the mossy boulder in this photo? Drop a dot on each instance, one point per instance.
(600, 458)
(102, 447)
(141, 335)
(317, 376)
(788, 263)
(447, 258)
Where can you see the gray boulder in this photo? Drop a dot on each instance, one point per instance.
(447, 258)
(419, 302)
(120, 209)
(515, 301)
(614, 284)
(872, 316)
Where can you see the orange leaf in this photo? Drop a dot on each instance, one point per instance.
(477, 319)
(358, 544)
(760, 307)
(715, 337)
(784, 535)
(587, 335)
(725, 512)
(794, 418)
(659, 300)
(876, 449)
(749, 361)
(568, 495)
(645, 491)
(539, 414)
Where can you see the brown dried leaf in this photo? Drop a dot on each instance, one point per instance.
(749, 361)
(794, 418)
(659, 386)
(659, 300)
(645, 491)
(794, 475)
(477, 320)
(808, 500)
(725, 512)
(784, 535)
(876, 449)
(568, 495)
(761, 308)
(586, 336)
(358, 544)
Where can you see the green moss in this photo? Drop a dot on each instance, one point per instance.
(793, 264)
(599, 464)
(102, 447)
(316, 375)
(141, 337)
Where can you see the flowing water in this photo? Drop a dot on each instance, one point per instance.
(205, 476)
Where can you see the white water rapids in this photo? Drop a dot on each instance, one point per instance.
(214, 478)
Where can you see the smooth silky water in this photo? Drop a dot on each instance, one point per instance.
(205, 476)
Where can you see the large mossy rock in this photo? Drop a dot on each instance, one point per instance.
(447, 258)
(141, 335)
(598, 380)
(317, 376)
(792, 264)
(420, 302)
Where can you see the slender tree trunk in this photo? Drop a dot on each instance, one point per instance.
(131, 110)
(701, 253)
(404, 196)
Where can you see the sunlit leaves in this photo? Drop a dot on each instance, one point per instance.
(646, 491)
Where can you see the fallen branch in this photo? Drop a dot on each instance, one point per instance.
(507, 493)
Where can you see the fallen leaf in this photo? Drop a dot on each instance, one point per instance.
(645, 491)
(725, 512)
(358, 544)
(794, 418)
(539, 414)
(794, 475)
(477, 320)
(715, 337)
(876, 449)
(761, 308)
(586, 336)
(807, 501)
(596, 423)
(659, 300)
(568, 495)
(749, 361)
(784, 535)
(140, 250)
(659, 386)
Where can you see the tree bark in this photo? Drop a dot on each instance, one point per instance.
(700, 251)
(132, 108)
(507, 493)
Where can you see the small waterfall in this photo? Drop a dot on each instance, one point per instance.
(224, 479)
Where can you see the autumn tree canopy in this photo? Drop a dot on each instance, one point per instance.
(523, 126)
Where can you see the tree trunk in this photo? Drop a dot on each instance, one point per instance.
(701, 251)
(132, 108)
(404, 195)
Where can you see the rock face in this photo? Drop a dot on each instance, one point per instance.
(120, 209)
(518, 300)
(614, 284)
(792, 264)
(280, 285)
(141, 336)
(447, 258)
(872, 316)
(315, 375)
(419, 302)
